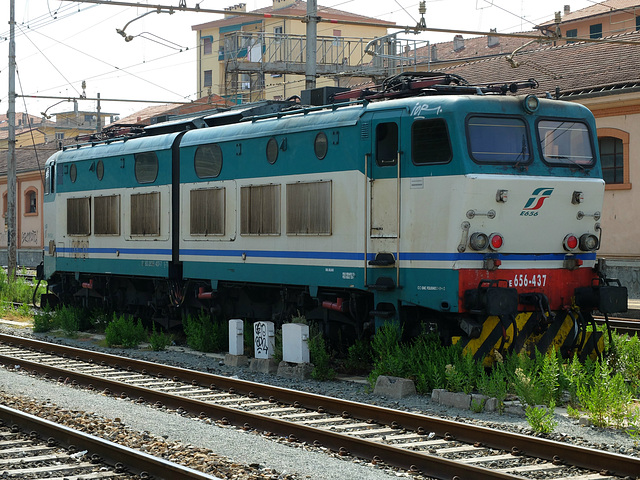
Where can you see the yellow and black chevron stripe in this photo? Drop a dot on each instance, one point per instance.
(532, 332)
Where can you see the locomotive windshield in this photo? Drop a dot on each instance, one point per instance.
(500, 140)
(565, 143)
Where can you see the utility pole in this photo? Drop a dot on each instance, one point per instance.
(11, 151)
(312, 40)
(99, 125)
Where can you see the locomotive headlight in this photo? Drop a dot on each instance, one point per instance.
(478, 241)
(530, 103)
(496, 241)
(570, 242)
(588, 242)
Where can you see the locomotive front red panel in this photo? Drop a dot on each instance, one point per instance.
(557, 284)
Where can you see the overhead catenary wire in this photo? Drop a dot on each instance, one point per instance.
(390, 25)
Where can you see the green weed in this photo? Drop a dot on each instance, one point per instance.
(123, 331)
(158, 339)
(44, 321)
(604, 396)
(320, 358)
(205, 334)
(541, 419)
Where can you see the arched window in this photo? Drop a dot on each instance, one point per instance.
(614, 157)
(31, 201)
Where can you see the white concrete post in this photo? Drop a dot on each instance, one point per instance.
(264, 339)
(236, 337)
(295, 348)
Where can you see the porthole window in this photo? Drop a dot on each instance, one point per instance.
(272, 150)
(100, 170)
(73, 172)
(146, 167)
(208, 161)
(321, 145)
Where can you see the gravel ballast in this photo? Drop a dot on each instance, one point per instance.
(254, 454)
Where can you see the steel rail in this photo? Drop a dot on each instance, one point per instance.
(526, 445)
(407, 459)
(110, 453)
(621, 325)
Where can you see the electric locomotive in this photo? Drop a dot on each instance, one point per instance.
(466, 208)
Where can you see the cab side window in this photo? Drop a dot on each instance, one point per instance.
(387, 143)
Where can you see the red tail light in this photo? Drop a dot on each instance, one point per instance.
(570, 242)
(496, 241)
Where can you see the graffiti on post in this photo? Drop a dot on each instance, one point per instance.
(264, 339)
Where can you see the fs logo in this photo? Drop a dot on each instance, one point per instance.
(535, 201)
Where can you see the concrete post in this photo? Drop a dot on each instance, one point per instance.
(236, 337)
(264, 339)
(295, 348)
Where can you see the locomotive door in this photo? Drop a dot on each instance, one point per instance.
(385, 176)
(384, 162)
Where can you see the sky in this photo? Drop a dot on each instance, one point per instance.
(60, 44)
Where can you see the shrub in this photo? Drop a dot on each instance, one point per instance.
(158, 339)
(68, 319)
(124, 331)
(628, 360)
(204, 334)
(320, 358)
(358, 357)
(44, 321)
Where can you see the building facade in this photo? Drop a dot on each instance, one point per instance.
(259, 57)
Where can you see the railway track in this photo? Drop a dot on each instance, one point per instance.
(34, 448)
(417, 443)
(627, 326)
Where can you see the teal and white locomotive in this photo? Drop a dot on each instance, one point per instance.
(424, 201)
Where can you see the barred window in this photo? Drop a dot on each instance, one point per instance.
(146, 167)
(207, 211)
(145, 214)
(260, 210)
(106, 220)
(430, 142)
(79, 216)
(612, 158)
(309, 208)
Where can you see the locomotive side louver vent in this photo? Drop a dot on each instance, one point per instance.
(364, 130)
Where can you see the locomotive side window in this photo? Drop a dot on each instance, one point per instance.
(106, 220)
(208, 161)
(260, 210)
(145, 214)
(309, 208)
(146, 167)
(207, 211)
(100, 170)
(565, 143)
(430, 142)
(387, 143)
(321, 145)
(73, 173)
(502, 140)
(272, 150)
(79, 216)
